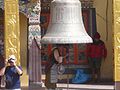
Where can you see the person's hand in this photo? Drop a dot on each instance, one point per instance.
(14, 63)
(60, 60)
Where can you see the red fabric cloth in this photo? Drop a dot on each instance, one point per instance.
(96, 50)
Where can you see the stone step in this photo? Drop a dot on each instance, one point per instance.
(74, 87)
(85, 87)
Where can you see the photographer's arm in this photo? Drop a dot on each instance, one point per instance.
(19, 71)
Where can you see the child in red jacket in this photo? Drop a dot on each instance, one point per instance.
(96, 51)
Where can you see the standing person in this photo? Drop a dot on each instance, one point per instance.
(12, 74)
(52, 68)
(96, 51)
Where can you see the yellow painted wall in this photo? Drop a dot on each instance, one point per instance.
(100, 5)
(23, 48)
(23, 39)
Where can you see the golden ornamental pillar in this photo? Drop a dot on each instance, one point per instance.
(116, 29)
(12, 33)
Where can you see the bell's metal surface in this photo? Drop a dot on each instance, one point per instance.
(66, 24)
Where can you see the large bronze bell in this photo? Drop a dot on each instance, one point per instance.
(66, 24)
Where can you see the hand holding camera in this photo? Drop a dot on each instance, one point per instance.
(12, 60)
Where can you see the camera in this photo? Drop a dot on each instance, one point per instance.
(9, 61)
